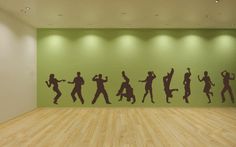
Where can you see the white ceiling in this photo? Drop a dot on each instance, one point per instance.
(124, 13)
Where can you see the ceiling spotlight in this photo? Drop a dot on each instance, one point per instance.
(217, 1)
(27, 8)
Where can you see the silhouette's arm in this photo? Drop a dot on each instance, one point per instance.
(223, 73)
(71, 82)
(125, 77)
(94, 78)
(143, 80)
(48, 83)
(154, 75)
(213, 84)
(233, 76)
(60, 80)
(106, 79)
(82, 80)
(200, 80)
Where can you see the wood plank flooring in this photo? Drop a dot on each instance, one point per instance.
(121, 127)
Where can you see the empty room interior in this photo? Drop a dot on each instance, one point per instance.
(117, 73)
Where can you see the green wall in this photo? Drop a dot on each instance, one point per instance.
(109, 51)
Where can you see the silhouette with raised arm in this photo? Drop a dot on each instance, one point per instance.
(186, 83)
(78, 81)
(226, 78)
(128, 90)
(148, 86)
(166, 81)
(53, 81)
(208, 84)
(100, 88)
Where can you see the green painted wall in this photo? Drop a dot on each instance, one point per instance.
(109, 51)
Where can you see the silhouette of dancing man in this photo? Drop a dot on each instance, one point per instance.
(53, 81)
(128, 90)
(208, 84)
(78, 81)
(166, 81)
(100, 88)
(186, 83)
(148, 86)
(226, 77)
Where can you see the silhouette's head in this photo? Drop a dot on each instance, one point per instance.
(205, 73)
(51, 76)
(100, 76)
(149, 73)
(123, 72)
(78, 74)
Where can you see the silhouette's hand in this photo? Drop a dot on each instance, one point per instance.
(123, 72)
(63, 80)
(106, 77)
(139, 81)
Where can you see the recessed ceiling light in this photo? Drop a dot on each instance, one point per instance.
(217, 1)
(27, 8)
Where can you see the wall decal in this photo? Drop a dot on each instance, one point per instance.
(100, 88)
(208, 84)
(53, 81)
(226, 78)
(148, 85)
(186, 83)
(166, 81)
(78, 81)
(126, 90)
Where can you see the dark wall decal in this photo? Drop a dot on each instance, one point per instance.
(226, 78)
(100, 88)
(186, 83)
(208, 84)
(166, 82)
(126, 90)
(53, 81)
(78, 82)
(148, 86)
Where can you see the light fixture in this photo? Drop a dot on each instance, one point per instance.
(217, 1)
(27, 8)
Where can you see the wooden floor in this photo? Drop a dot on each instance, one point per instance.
(121, 127)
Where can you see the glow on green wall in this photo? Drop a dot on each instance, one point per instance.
(137, 51)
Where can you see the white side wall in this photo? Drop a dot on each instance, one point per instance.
(17, 67)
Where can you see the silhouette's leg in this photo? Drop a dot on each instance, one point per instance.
(144, 96)
(134, 99)
(121, 89)
(57, 96)
(167, 99)
(80, 96)
(121, 96)
(231, 94)
(223, 94)
(151, 96)
(105, 96)
(209, 98)
(73, 94)
(96, 96)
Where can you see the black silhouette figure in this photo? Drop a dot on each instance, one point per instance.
(148, 86)
(166, 81)
(128, 90)
(186, 83)
(100, 88)
(53, 81)
(208, 84)
(78, 81)
(227, 87)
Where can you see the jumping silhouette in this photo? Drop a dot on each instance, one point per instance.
(166, 81)
(186, 83)
(128, 90)
(78, 81)
(227, 87)
(100, 88)
(208, 84)
(53, 81)
(148, 86)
